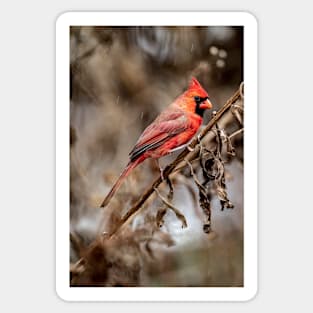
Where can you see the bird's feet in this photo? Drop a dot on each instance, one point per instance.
(199, 141)
(160, 168)
(199, 138)
(161, 173)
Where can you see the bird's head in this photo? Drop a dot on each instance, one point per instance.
(196, 99)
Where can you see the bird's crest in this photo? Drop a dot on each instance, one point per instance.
(195, 88)
(194, 84)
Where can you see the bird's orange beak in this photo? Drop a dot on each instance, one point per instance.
(206, 104)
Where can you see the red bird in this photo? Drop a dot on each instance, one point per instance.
(174, 127)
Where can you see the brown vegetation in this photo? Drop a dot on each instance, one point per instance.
(138, 240)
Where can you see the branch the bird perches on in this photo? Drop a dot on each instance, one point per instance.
(182, 157)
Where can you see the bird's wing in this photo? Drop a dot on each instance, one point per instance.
(168, 124)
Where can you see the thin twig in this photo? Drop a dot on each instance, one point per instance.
(162, 211)
(241, 89)
(237, 132)
(204, 199)
(237, 111)
(179, 215)
(194, 176)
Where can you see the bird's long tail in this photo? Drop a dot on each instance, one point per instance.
(130, 166)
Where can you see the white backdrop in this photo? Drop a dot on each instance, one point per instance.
(27, 116)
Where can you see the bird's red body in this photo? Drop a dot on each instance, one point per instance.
(174, 127)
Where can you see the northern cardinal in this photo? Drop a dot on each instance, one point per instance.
(174, 127)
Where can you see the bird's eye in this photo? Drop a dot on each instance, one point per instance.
(197, 99)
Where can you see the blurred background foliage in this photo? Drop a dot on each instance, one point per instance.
(121, 78)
